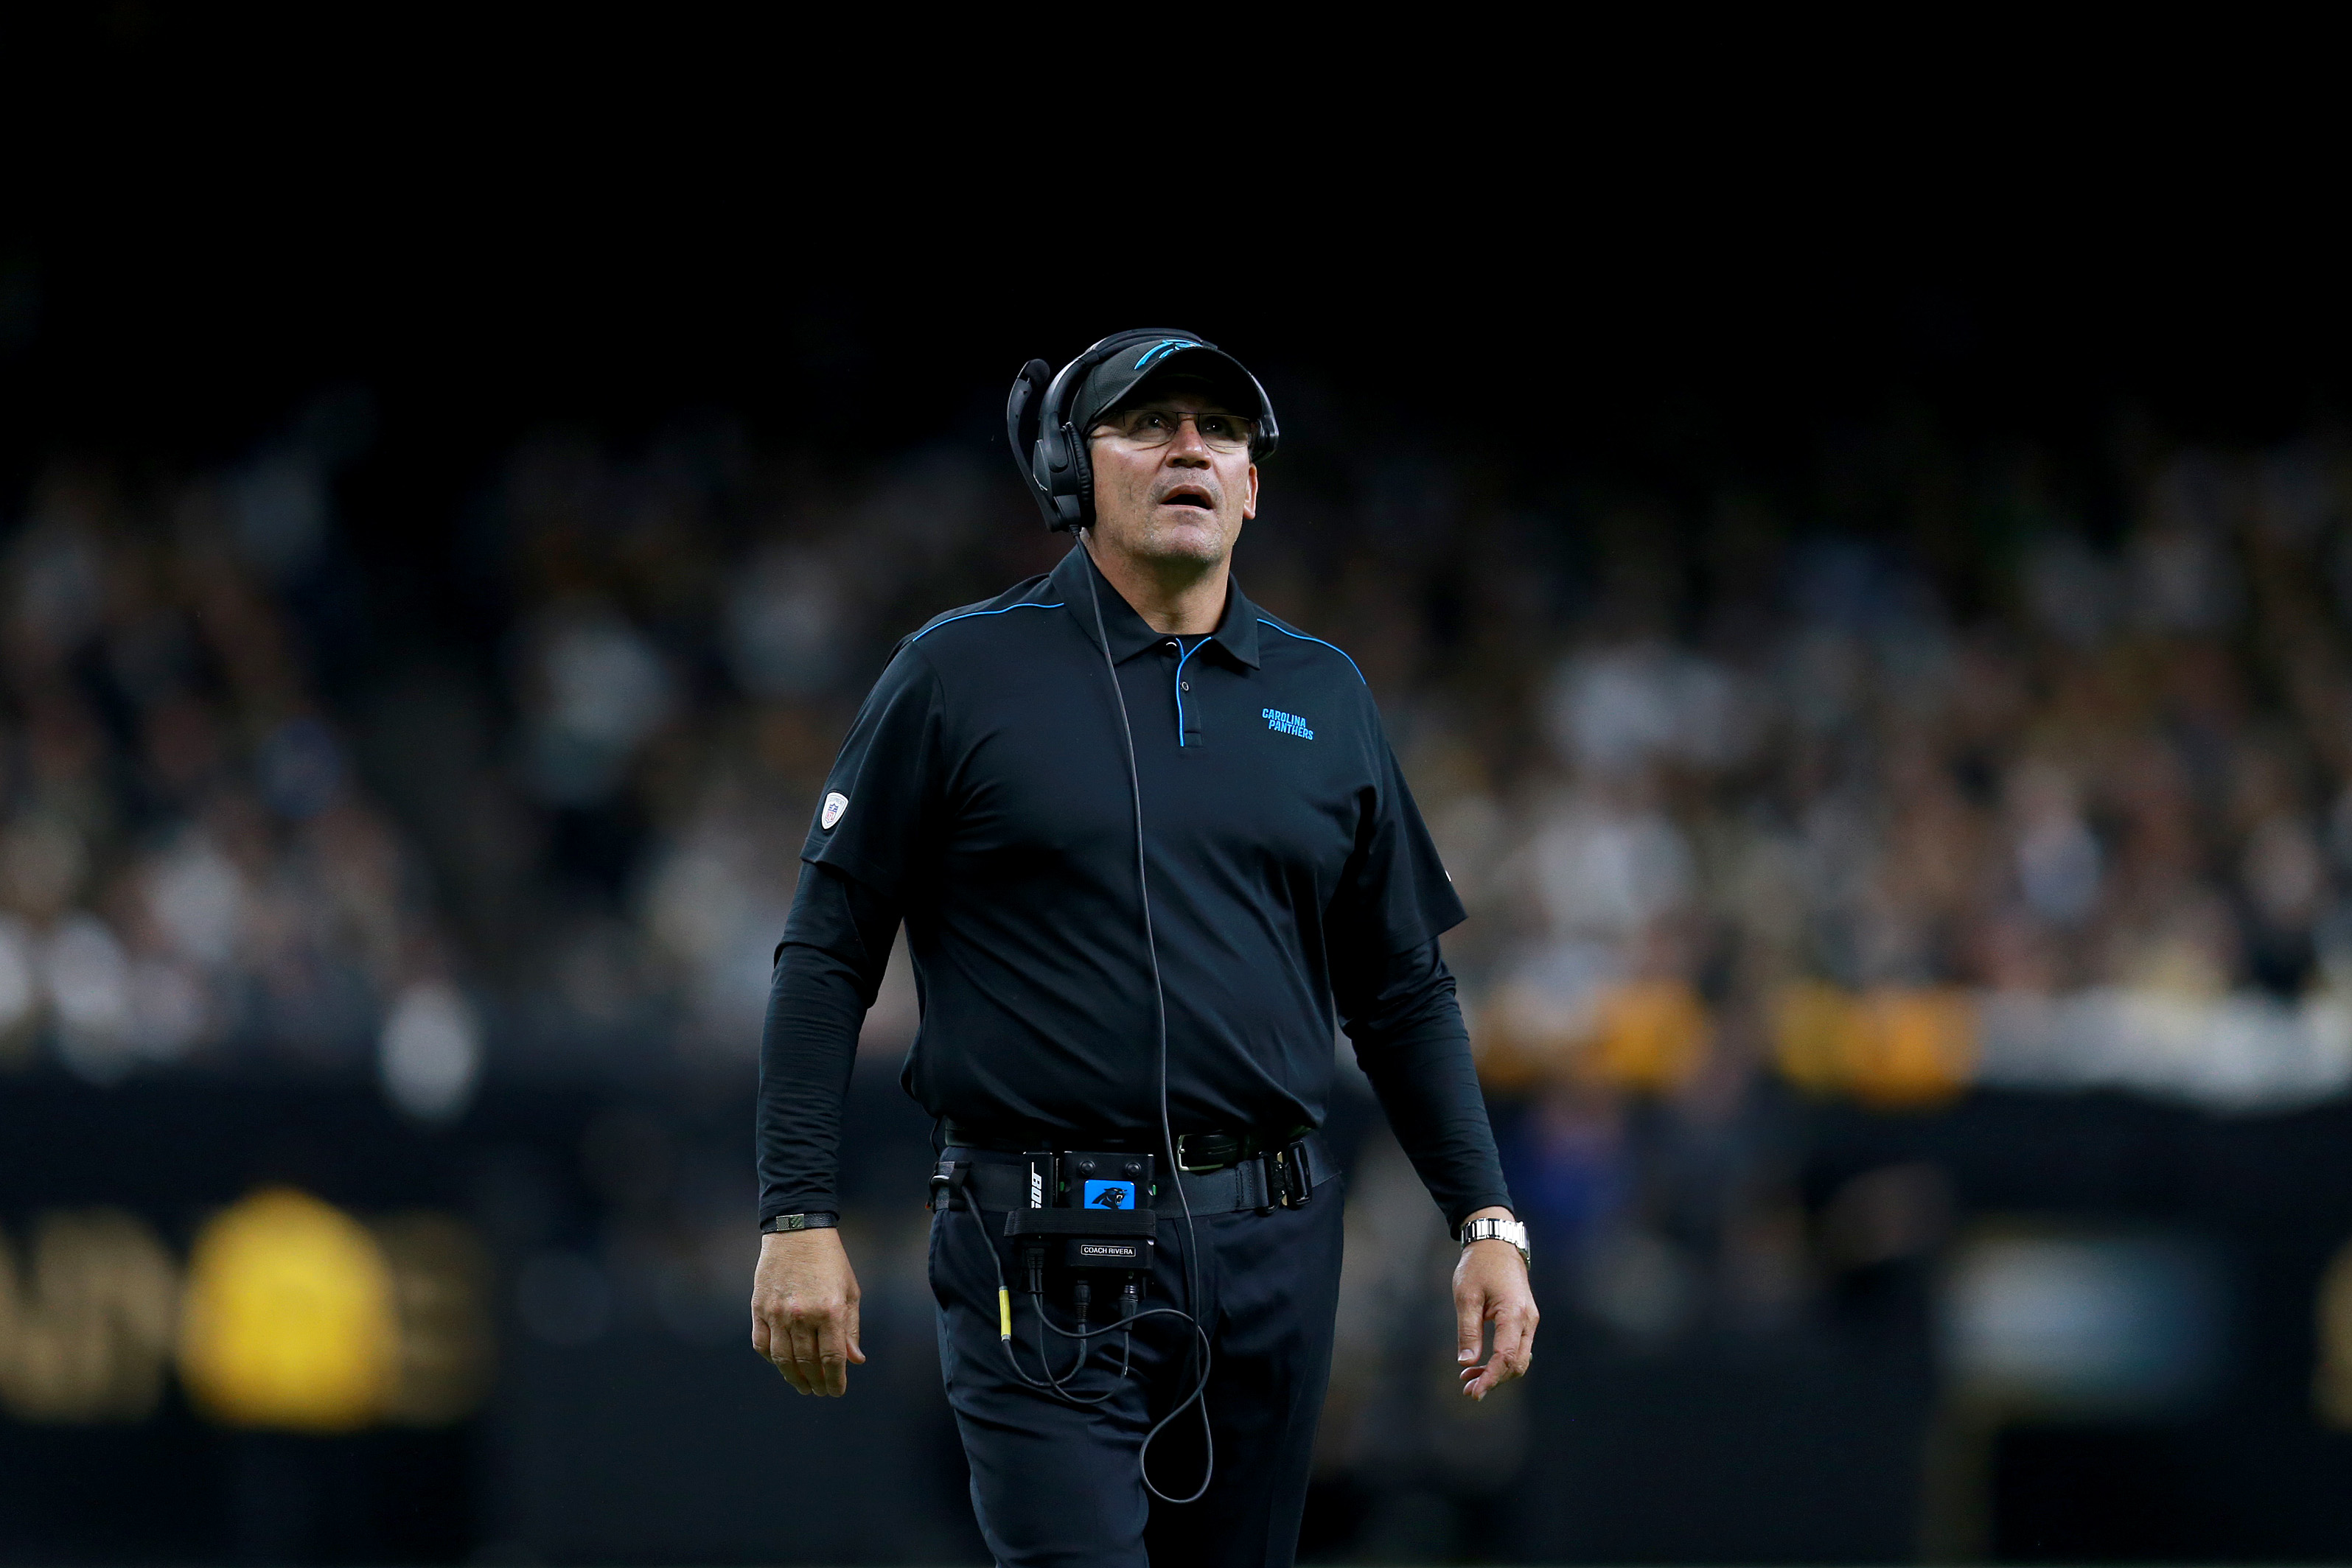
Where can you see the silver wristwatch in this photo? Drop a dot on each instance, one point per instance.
(1490, 1230)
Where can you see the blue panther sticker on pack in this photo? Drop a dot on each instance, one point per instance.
(1110, 1195)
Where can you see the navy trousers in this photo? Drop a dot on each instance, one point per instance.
(1057, 1486)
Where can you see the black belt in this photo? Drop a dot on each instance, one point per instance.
(1194, 1151)
(1285, 1176)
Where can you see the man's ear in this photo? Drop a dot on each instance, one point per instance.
(1249, 507)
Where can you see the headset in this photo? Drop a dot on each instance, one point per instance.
(1051, 451)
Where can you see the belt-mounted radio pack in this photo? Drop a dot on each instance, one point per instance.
(1094, 1211)
(1086, 1212)
(1097, 1206)
(1090, 1213)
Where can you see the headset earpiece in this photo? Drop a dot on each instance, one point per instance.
(1082, 468)
(1058, 469)
(1060, 464)
(1024, 420)
(1269, 433)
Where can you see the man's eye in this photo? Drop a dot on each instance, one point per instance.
(1217, 425)
(1151, 422)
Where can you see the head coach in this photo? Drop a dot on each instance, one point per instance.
(1148, 841)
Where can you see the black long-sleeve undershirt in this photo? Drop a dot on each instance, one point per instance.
(829, 968)
(1406, 1026)
(1399, 1010)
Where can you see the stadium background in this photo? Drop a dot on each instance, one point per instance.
(1884, 704)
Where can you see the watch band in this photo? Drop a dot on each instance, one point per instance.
(816, 1219)
(1492, 1230)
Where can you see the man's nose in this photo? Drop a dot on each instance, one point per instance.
(1189, 447)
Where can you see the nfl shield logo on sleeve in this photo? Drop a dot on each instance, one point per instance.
(834, 805)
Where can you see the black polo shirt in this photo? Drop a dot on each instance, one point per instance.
(984, 794)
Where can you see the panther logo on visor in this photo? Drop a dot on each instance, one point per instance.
(1162, 349)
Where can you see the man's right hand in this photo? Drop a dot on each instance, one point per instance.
(804, 1310)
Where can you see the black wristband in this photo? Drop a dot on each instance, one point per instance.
(816, 1219)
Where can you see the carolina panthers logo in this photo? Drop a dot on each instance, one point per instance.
(1287, 722)
(1162, 349)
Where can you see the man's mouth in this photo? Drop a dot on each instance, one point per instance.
(1189, 497)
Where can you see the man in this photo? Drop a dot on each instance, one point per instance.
(991, 794)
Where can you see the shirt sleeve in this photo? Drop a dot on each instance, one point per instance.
(830, 964)
(878, 818)
(1394, 895)
(875, 821)
(1396, 996)
(1400, 1012)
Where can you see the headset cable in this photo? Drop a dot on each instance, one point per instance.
(1200, 1394)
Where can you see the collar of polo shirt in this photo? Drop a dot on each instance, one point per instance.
(1236, 632)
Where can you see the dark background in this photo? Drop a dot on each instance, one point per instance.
(191, 266)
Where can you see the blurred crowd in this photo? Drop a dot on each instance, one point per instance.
(1958, 765)
(1999, 739)
(1950, 766)
(2020, 735)
(190, 871)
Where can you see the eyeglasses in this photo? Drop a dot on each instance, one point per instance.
(1158, 427)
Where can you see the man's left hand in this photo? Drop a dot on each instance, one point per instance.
(1490, 1285)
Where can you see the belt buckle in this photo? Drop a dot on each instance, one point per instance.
(1183, 1158)
(1296, 1190)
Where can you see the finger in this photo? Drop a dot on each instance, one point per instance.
(1491, 1376)
(1469, 1322)
(787, 1366)
(774, 1345)
(1512, 1332)
(805, 1372)
(856, 1351)
(1524, 1354)
(832, 1359)
(1514, 1349)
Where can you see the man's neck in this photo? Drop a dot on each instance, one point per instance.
(1182, 605)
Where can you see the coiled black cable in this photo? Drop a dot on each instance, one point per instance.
(1058, 1385)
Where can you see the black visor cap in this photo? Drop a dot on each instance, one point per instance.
(1127, 375)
